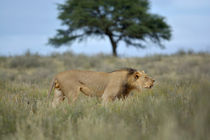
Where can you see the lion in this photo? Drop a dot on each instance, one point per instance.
(107, 85)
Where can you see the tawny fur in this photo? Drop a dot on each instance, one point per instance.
(109, 86)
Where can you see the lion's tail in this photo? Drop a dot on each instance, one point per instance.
(51, 88)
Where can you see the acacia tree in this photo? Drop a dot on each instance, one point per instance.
(119, 20)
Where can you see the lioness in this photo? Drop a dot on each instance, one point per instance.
(109, 86)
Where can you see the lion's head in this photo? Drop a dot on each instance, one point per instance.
(140, 79)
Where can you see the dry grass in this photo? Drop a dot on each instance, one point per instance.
(178, 107)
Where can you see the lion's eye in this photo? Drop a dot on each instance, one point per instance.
(136, 77)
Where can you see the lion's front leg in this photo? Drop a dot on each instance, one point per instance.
(107, 98)
(111, 93)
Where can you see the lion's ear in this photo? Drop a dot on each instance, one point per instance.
(137, 75)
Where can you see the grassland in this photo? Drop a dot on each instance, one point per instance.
(177, 108)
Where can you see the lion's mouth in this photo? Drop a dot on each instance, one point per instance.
(149, 86)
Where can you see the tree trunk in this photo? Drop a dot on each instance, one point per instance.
(114, 46)
(114, 50)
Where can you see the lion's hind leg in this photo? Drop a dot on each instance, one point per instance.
(58, 97)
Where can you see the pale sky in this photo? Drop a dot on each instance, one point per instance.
(27, 25)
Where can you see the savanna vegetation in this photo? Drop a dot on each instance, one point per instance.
(178, 107)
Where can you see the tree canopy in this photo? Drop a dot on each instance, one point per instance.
(120, 20)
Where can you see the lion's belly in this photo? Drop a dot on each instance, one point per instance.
(97, 90)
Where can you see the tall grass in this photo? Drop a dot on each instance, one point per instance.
(178, 107)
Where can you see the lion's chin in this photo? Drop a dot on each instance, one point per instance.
(139, 89)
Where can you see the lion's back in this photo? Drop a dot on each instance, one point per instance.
(89, 78)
